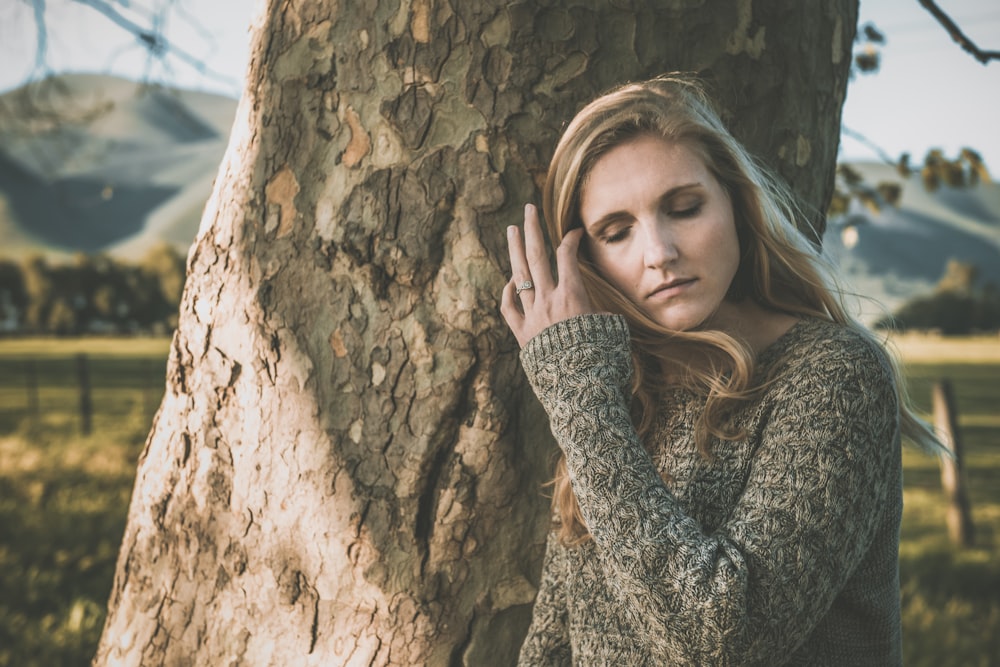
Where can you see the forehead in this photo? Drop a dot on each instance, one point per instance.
(646, 165)
(649, 149)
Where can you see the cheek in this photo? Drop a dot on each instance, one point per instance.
(613, 265)
(726, 244)
(733, 252)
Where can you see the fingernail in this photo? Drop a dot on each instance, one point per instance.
(511, 231)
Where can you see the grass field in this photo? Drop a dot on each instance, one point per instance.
(64, 497)
(951, 597)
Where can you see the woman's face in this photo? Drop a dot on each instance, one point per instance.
(660, 228)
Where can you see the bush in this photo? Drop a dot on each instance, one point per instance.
(957, 307)
(92, 294)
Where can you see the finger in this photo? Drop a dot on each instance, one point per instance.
(538, 257)
(518, 264)
(518, 261)
(567, 257)
(510, 308)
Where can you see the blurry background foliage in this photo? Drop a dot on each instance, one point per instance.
(93, 294)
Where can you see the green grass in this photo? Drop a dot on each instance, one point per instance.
(64, 498)
(951, 596)
(64, 495)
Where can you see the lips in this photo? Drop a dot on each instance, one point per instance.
(670, 288)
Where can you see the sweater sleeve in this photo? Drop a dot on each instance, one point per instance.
(547, 643)
(754, 589)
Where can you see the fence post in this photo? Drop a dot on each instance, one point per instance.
(958, 513)
(86, 405)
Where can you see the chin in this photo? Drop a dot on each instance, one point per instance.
(680, 323)
(686, 320)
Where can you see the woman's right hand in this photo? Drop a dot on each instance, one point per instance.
(532, 299)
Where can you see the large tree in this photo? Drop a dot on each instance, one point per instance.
(347, 464)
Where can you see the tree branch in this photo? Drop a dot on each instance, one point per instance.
(152, 38)
(956, 33)
(42, 35)
(857, 136)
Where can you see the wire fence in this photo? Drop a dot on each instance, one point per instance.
(80, 389)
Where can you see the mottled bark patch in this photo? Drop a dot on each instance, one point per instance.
(280, 192)
(360, 143)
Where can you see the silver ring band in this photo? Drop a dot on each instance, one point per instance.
(527, 284)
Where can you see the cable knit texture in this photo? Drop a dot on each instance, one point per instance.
(781, 549)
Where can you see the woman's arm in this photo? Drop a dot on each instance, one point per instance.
(547, 643)
(753, 590)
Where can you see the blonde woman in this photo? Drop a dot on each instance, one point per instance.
(729, 490)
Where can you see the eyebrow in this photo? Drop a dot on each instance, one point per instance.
(598, 225)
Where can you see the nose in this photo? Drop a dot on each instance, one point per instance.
(660, 247)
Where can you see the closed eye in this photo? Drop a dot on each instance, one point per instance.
(689, 212)
(619, 235)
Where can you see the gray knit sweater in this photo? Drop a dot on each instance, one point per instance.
(782, 549)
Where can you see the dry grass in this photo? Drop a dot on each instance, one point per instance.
(63, 495)
(917, 348)
(111, 346)
(63, 499)
(951, 605)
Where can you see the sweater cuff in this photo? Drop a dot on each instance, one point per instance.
(603, 329)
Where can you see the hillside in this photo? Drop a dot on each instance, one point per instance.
(94, 163)
(902, 251)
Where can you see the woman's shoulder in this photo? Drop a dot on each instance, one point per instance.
(818, 345)
(824, 374)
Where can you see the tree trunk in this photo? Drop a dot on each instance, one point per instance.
(347, 464)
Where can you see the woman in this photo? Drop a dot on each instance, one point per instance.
(729, 490)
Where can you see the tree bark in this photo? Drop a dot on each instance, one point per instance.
(347, 464)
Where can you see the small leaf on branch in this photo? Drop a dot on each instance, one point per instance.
(889, 192)
(873, 34)
(839, 203)
(867, 61)
(871, 202)
(931, 178)
(903, 166)
(850, 175)
(954, 175)
(977, 170)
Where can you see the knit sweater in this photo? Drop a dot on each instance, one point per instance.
(782, 549)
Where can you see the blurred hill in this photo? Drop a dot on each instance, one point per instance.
(899, 252)
(95, 163)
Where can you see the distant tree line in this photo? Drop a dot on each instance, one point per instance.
(91, 294)
(957, 306)
(96, 294)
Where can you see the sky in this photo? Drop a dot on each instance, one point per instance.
(928, 93)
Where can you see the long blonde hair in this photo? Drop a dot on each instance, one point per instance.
(779, 268)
